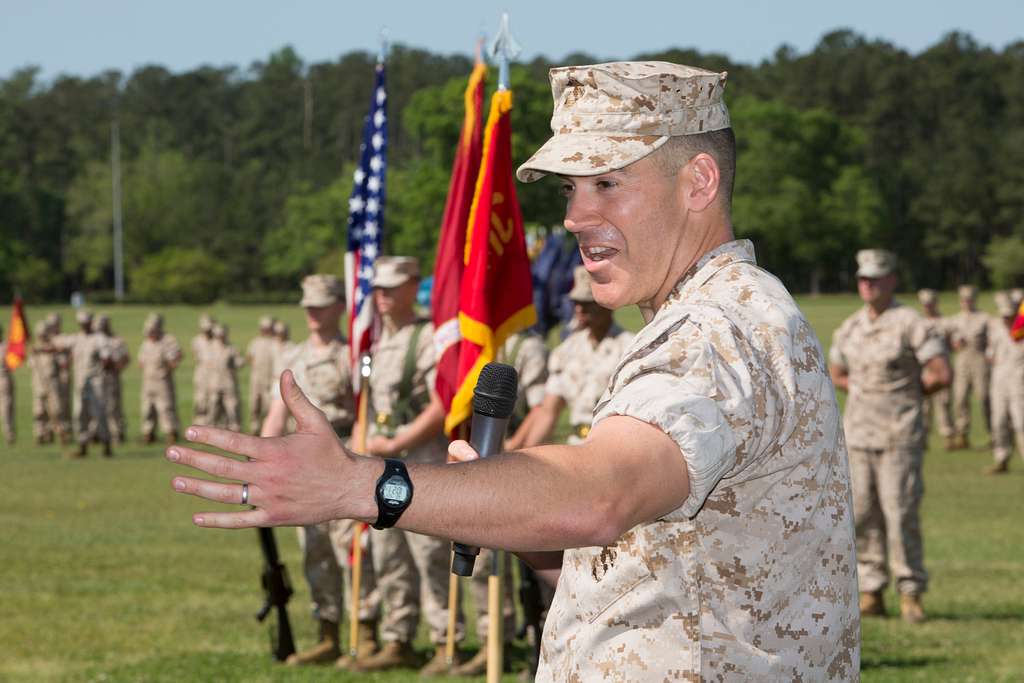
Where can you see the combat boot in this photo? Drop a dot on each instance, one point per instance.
(872, 604)
(148, 439)
(108, 452)
(366, 646)
(961, 443)
(80, 452)
(324, 652)
(394, 655)
(438, 665)
(476, 666)
(998, 468)
(171, 438)
(911, 609)
(951, 442)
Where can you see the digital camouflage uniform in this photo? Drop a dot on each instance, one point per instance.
(412, 569)
(49, 420)
(579, 370)
(752, 577)
(1007, 358)
(6, 396)
(223, 361)
(529, 356)
(89, 354)
(261, 356)
(970, 367)
(884, 423)
(324, 375)
(158, 359)
(938, 406)
(200, 345)
(119, 358)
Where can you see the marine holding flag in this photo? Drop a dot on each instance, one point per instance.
(13, 354)
(706, 520)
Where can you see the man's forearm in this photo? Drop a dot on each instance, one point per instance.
(427, 425)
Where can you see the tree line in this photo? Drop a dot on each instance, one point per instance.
(235, 180)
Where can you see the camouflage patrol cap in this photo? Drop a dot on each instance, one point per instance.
(606, 116)
(1004, 306)
(874, 263)
(103, 322)
(321, 290)
(42, 328)
(1016, 296)
(206, 322)
(154, 321)
(392, 271)
(220, 331)
(581, 281)
(927, 297)
(967, 291)
(53, 319)
(280, 328)
(83, 317)
(266, 323)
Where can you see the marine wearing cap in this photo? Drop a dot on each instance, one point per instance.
(875, 263)
(321, 290)
(392, 271)
(1007, 390)
(939, 404)
(971, 369)
(159, 355)
(260, 356)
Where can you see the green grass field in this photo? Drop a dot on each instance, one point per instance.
(103, 578)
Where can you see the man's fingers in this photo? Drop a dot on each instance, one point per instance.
(232, 442)
(461, 451)
(232, 520)
(308, 418)
(215, 491)
(217, 465)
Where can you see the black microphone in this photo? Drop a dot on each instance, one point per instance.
(493, 400)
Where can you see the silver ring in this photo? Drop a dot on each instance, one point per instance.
(245, 494)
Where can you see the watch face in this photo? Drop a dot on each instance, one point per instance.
(395, 492)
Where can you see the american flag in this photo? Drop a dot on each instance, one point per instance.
(365, 224)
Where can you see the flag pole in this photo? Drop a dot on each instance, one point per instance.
(504, 48)
(359, 445)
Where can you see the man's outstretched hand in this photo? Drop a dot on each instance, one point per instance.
(303, 478)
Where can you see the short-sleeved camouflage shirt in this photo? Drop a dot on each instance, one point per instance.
(753, 577)
(325, 376)
(884, 358)
(528, 355)
(970, 329)
(157, 358)
(579, 370)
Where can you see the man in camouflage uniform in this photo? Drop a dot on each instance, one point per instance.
(63, 355)
(970, 368)
(49, 422)
(888, 358)
(407, 421)
(1007, 359)
(707, 515)
(159, 356)
(260, 356)
(201, 345)
(120, 357)
(940, 403)
(527, 353)
(6, 393)
(321, 367)
(224, 362)
(282, 341)
(581, 366)
(90, 355)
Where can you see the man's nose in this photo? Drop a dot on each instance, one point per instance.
(581, 213)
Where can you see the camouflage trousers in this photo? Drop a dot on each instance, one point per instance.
(114, 407)
(939, 407)
(200, 401)
(325, 563)
(1007, 422)
(48, 416)
(7, 407)
(259, 405)
(224, 409)
(90, 411)
(158, 406)
(970, 375)
(412, 570)
(887, 489)
(479, 581)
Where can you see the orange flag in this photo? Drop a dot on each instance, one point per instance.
(17, 337)
(496, 299)
(451, 247)
(1017, 329)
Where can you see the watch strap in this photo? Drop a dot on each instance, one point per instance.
(387, 517)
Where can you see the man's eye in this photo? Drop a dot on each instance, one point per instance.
(566, 189)
(605, 184)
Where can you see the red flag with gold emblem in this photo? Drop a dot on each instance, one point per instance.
(497, 292)
(1017, 329)
(451, 247)
(17, 337)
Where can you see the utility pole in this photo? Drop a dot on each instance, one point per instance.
(115, 174)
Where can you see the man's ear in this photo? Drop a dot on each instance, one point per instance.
(700, 179)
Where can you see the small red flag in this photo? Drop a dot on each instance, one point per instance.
(17, 337)
(1017, 329)
(497, 291)
(449, 265)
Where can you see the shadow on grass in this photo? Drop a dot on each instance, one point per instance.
(976, 616)
(899, 662)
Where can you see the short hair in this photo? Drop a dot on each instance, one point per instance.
(720, 144)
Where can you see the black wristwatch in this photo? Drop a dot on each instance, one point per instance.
(394, 494)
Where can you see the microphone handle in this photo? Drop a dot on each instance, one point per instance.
(487, 437)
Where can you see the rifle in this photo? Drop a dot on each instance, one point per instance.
(278, 590)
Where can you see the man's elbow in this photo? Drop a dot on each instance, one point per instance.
(600, 523)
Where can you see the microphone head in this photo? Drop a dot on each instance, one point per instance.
(495, 392)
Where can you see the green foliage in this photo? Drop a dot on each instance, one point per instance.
(1004, 257)
(178, 274)
(34, 279)
(314, 224)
